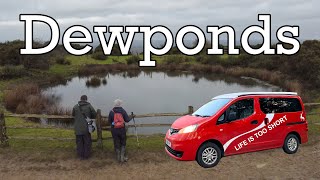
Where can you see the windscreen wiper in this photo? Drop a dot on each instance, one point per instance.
(198, 115)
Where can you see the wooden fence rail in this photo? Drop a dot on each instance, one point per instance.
(103, 117)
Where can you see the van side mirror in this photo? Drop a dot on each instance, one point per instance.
(231, 117)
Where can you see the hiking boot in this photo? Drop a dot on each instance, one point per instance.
(118, 155)
(123, 152)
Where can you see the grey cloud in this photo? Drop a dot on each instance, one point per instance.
(174, 14)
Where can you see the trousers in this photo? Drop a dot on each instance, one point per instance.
(84, 143)
(119, 137)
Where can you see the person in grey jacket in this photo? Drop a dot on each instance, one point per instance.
(83, 138)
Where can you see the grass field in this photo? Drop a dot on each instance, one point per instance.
(63, 138)
(28, 136)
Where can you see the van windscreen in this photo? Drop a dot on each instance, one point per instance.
(211, 107)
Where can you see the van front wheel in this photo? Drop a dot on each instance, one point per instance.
(208, 155)
(291, 144)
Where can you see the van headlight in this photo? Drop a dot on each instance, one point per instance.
(188, 129)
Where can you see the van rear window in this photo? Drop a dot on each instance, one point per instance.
(279, 105)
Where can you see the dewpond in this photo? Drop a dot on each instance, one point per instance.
(152, 92)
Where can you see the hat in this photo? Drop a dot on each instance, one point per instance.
(84, 98)
(117, 103)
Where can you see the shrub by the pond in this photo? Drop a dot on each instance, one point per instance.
(28, 99)
(18, 94)
(176, 59)
(62, 61)
(8, 72)
(55, 109)
(93, 82)
(99, 56)
(57, 79)
(97, 69)
(208, 59)
(36, 62)
(134, 59)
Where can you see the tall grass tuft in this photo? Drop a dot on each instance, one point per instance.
(28, 99)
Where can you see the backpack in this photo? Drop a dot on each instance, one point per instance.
(92, 126)
(118, 121)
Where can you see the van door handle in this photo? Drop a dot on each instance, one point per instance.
(254, 122)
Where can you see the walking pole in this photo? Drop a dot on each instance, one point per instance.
(135, 128)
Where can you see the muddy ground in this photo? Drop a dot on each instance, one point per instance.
(270, 164)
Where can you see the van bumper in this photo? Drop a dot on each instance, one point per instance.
(183, 146)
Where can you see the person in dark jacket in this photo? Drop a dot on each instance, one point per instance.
(80, 112)
(119, 134)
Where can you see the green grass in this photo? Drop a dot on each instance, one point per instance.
(78, 61)
(314, 121)
(226, 56)
(18, 122)
(63, 138)
(82, 60)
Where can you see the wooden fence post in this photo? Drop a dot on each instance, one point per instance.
(99, 129)
(190, 109)
(3, 132)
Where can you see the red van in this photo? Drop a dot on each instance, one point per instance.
(238, 123)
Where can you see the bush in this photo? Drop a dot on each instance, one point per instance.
(134, 59)
(99, 56)
(57, 79)
(8, 72)
(19, 94)
(176, 59)
(36, 62)
(62, 61)
(10, 53)
(209, 59)
(28, 99)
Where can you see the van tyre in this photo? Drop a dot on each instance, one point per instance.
(291, 144)
(208, 155)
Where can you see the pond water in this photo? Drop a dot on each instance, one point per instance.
(153, 92)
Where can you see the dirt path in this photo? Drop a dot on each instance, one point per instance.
(270, 164)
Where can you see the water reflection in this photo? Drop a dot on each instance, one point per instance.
(95, 82)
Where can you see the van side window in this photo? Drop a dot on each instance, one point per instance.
(279, 105)
(239, 110)
(221, 119)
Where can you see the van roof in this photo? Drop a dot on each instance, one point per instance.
(235, 95)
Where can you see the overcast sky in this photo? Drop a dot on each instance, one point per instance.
(173, 14)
